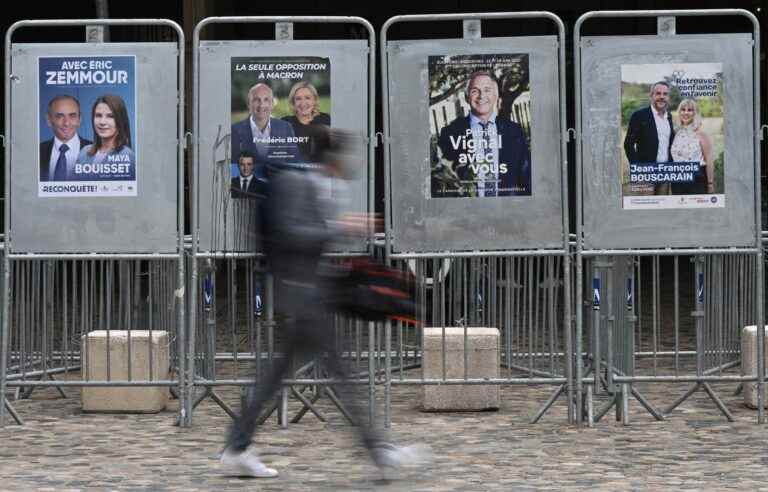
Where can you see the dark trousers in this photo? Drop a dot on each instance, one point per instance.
(697, 187)
(310, 334)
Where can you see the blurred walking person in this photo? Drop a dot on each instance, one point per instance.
(299, 225)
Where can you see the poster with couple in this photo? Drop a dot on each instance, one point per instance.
(672, 136)
(480, 126)
(87, 126)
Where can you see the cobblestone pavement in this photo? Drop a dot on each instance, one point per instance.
(60, 448)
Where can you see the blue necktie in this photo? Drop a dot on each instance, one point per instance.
(60, 172)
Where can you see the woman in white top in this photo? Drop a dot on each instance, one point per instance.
(692, 144)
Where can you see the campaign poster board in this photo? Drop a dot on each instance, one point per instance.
(484, 151)
(670, 204)
(449, 190)
(684, 104)
(87, 127)
(228, 70)
(128, 203)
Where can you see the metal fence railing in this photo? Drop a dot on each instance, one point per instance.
(655, 316)
(56, 304)
(641, 329)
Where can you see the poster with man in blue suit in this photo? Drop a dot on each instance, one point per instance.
(480, 123)
(87, 126)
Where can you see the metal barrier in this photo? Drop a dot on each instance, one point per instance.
(519, 282)
(53, 298)
(59, 287)
(724, 285)
(639, 335)
(233, 327)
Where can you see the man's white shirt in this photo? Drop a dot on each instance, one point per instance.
(260, 137)
(663, 131)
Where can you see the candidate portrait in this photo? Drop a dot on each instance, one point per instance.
(650, 132)
(486, 153)
(265, 137)
(247, 184)
(111, 141)
(59, 153)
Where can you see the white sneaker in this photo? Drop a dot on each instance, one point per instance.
(245, 464)
(391, 456)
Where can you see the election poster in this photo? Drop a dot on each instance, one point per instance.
(480, 125)
(672, 136)
(87, 126)
(278, 105)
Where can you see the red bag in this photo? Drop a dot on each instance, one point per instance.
(374, 291)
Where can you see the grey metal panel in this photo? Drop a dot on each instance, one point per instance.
(606, 224)
(142, 224)
(349, 111)
(421, 223)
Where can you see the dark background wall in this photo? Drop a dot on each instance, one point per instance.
(188, 12)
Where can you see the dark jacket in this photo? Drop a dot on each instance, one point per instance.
(513, 152)
(255, 188)
(295, 236)
(46, 148)
(242, 139)
(642, 141)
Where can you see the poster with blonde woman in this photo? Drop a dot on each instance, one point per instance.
(277, 104)
(672, 135)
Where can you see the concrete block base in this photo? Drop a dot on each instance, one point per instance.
(482, 362)
(146, 399)
(749, 363)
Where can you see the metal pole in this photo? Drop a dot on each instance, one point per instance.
(698, 313)
(596, 315)
(760, 266)
(4, 322)
(579, 221)
(567, 321)
(387, 374)
(669, 251)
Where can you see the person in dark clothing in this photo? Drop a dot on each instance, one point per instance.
(59, 153)
(650, 132)
(299, 225)
(247, 184)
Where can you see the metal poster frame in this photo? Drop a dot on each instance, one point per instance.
(283, 32)
(472, 30)
(179, 255)
(666, 27)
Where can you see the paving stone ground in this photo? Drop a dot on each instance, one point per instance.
(61, 448)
